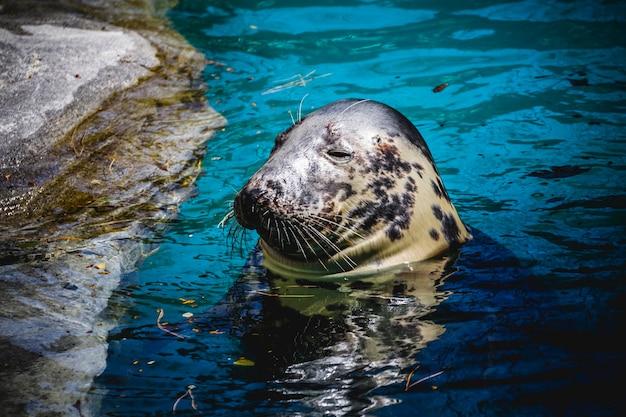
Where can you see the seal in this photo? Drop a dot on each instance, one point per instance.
(351, 189)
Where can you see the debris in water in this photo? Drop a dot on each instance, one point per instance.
(160, 326)
(188, 392)
(440, 87)
(410, 385)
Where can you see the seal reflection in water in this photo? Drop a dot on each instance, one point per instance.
(356, 232)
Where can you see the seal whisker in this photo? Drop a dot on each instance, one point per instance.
(311, 220)
(227, 217)
(308, 231)
(301, 231)
(347, 224)
(300, 108)
(352, 105)
(281, 229)
(288, 229)
(339, 241)
(321, 220)
(312, 232)
(279, 225)
(236, 233)
(297, 242)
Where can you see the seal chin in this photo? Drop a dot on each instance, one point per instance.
(374, 256)
(340, 271)
(294, 268)
(289, 266)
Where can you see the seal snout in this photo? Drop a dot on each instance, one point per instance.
(246, 204)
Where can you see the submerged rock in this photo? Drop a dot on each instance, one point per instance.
(103, 123)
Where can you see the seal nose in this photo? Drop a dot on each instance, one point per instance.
(246, 207)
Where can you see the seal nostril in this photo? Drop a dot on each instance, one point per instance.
(245, 205)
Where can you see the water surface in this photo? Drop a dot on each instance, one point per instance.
(529, 135)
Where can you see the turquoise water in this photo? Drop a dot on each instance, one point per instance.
(530, 138)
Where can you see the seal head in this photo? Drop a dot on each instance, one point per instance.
(352, 188)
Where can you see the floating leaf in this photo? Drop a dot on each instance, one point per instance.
(244, 362)
(440, 88)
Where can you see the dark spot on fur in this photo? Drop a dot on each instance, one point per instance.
(388, 162)
(339, 190)
(434, 234)
(419, 169)
(381, 186)
(449, 227)
(367, 214)
(391, 209)
(443, 189)
(394, 232)
(437, 189)
(400, 217)
(437, 212)
(329, 206)
(410, 185)
(331, 130)
(282, 138)
(351, 172)
(276, 187)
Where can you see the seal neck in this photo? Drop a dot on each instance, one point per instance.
(289, 267)
(363, 262)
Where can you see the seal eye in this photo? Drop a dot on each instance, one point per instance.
(339, 155)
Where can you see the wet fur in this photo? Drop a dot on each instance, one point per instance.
(350, 189)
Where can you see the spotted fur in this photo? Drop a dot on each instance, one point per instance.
(351, 188)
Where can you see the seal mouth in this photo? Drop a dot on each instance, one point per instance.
(296, 237)
(299, 234)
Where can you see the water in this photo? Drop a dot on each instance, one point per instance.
(529, 136)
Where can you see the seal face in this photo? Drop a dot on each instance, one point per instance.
(352, 188)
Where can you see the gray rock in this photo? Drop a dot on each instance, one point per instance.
(101, 131)
(51, 76)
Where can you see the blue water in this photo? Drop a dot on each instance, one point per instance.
(530, 138)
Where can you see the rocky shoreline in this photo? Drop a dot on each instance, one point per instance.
(103, 124)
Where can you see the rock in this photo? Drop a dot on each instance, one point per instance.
(102, 129)
(52, 78)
